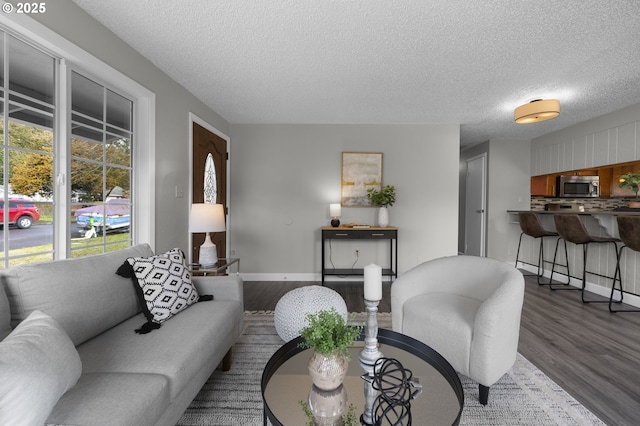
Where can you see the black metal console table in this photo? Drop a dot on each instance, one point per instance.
(389, 233)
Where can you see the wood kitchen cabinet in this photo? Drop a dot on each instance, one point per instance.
(545, 185)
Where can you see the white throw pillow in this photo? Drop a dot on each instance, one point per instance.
(38, 364)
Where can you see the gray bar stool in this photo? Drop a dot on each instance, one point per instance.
(571, 228)
(629, 228)
(530, 225)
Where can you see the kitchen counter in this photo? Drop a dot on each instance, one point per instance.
(605, 218)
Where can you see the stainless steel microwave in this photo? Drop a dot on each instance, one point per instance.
(577, 186)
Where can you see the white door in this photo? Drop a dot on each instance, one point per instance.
(475, 206)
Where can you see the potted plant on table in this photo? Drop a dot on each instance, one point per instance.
(329, 335)
(383, 198)
(631, 180)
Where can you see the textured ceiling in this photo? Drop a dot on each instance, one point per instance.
(371, 61)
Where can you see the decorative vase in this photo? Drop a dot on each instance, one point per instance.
(327, 407)
(327, 372)
(383, 217)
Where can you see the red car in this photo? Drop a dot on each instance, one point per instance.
(22, 213)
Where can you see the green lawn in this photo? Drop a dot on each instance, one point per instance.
(79, 248)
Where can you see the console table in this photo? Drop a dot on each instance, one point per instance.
(389, 233)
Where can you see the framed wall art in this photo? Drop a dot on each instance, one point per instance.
(360, 171)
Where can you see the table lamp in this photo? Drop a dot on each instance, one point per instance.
(207, 217)
(335, 211)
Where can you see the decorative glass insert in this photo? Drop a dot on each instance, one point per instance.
(210, 181)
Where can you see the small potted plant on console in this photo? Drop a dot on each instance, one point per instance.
(631, 180)
(383, 198)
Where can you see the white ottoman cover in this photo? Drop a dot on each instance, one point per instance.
(291, 311)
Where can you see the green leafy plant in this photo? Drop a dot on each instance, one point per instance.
(348, 419)
(630, 180)
(385, 197)
(328, 333)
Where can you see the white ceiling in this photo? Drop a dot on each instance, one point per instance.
(395, 61)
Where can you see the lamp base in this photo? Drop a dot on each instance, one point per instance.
(208, 253)
(335, 222)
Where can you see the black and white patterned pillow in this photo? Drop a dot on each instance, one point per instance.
(163, 285)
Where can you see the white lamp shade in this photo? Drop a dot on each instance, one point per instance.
(207, 217)
(335, 210)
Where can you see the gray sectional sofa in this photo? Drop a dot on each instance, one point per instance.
(93, 368)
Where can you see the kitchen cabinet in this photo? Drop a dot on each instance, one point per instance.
(545, 185)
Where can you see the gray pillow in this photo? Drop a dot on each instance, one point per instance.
(38, 364)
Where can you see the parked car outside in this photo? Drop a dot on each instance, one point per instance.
(22, 213)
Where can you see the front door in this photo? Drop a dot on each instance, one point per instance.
(209, 181)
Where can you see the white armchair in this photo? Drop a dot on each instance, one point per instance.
(468, 309)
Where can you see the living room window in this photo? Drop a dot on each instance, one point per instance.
(27, 85)
(101, 167)
(75, 135)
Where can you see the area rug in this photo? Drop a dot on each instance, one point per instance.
(524, 396)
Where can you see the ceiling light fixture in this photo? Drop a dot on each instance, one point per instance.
(537, 110)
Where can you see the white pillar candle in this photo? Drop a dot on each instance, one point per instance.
(373, 282)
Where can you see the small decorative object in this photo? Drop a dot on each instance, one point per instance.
(370, 353)
(329, 335)
(632, 181)
(383, 198)
(335, 211)
(395, 384)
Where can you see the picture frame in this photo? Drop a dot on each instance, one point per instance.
(360, 171)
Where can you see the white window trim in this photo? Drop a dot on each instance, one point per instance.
(144, 113)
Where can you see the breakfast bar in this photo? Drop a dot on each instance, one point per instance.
(602, 262)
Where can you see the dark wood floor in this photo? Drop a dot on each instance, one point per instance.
(592, 354)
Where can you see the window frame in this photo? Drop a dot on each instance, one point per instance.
(73, 58)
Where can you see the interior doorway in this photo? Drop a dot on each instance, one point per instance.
(475, 205)
(209, 172)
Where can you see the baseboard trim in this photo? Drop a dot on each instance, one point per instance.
(629, 298)
(299, 277)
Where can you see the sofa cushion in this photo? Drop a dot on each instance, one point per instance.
(432, 318)
(38, 364)
(163, 284)
(179, 350)
(113, 399)
(5, 314)
(83, 295)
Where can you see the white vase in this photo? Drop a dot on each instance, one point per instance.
(327, 372)
(383, 217)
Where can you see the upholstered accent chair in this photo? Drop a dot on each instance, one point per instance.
(468, 309)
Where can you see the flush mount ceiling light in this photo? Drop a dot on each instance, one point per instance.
(537, 110)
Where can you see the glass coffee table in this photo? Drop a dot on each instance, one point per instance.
(286, 381)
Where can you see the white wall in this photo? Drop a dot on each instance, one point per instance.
(173, 104)
(283, 178)
(509, 189)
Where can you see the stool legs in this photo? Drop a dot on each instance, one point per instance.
(560, 285)
(613, 287)
(540, 271)
(616, 275)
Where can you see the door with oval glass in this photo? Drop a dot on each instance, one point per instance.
(209, 181)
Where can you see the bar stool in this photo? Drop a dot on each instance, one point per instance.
(629, 228)
(530, 225)
(571, 229)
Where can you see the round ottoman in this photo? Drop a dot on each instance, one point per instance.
(291, 311)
